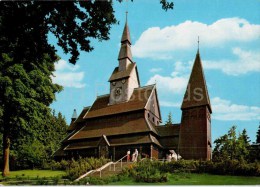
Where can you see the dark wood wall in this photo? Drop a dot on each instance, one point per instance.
(195, 134)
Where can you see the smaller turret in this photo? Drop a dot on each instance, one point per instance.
(74, 115)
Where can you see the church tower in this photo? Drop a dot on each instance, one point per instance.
(124, 77)
(195, 129)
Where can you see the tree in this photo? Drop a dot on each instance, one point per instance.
(258, 135)
(25, 26)
(243, 145)
(36, 147)
(25, 94)
(26, 59)
(169, 120)
(229, 146)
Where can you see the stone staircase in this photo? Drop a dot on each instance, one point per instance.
(110, 170)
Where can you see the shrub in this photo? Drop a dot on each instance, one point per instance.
(229, 167)
(74, 169)
(146, 171)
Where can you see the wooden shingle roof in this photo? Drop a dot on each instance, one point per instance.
(116, 141)
(196, 93)
(122, 74)
(137, 101)
(113, 125)
(82, 145)
(79, 119)
(170, 130)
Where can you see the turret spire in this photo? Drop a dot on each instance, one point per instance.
(196, 93)
(125, 54)
(74, 115)
(126, 33)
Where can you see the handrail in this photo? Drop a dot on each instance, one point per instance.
(117, 162)
(120, 159)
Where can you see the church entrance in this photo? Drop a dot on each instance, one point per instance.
(103, 151)
(103, 147)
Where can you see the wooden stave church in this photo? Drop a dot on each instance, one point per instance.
(129, 117)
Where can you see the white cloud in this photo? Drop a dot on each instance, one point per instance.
(67, 75)
(170, 104)
(169, 84)
(62, 65)
(158, 43)
(176, 83)
(248, 61)
(155, 70)
(225, 110)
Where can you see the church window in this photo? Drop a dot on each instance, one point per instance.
(123, 81)
(113, 83)
(148, 115)
(153, 119)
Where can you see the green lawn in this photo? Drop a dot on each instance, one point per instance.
(32, 177)
(198, 179)
(35, 173)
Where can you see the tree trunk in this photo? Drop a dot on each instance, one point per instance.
(6, 151)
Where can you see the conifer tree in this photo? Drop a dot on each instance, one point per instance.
(258, 135)
(169, 120)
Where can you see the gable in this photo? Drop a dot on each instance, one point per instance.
(152, 104)
(137, 101)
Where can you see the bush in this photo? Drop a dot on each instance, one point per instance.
(146, 171)
(75, 169)
(229, 167)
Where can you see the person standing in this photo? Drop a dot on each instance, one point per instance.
(128, 155)
(136, 155)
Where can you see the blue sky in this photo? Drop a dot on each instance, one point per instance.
(164, 45)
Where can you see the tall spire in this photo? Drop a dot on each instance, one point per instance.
(126, 32)
(125, 53)
(196, 93)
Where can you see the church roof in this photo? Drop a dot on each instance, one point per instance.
(133, 123)
(168, 130)
(137, 101)
(122, 74)
(196, 93)
(79, 119)
(116, 141)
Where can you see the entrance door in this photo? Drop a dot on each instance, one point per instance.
(104, 151)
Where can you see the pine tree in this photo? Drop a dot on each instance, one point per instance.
(169, 120)
(243, 146)
(258, 135)
(229, 146)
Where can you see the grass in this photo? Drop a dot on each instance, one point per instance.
(32, 177)
(197, 179)
(34, 174)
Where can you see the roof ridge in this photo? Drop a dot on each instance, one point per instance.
(104, 95)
